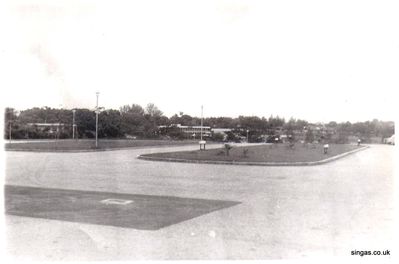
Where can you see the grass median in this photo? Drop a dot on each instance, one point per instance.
(88, 145)
(260, 153)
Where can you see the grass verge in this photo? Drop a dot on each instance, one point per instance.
(277, 153)
(88, 145)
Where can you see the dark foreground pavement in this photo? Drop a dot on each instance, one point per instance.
(144, 212)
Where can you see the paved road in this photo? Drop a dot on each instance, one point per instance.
(284, 212)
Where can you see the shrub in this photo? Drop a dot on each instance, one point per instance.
(227, 148)
(309, 137)
(218, 137)
(245, 152)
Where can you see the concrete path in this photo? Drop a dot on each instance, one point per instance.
(284, 212)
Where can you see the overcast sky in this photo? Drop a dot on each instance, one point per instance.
(314, 60)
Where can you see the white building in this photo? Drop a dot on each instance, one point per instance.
(222, 131)
(193, 130)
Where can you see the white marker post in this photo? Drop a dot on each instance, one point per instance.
(326, 146)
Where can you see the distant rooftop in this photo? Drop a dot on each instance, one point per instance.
(46, 124)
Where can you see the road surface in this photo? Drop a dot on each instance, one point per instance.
(278, 212)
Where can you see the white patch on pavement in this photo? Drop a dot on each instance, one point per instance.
(116, 201)
(212, 233)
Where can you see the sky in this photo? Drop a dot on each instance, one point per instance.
(313, 60)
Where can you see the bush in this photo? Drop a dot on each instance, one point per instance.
(217, 137)
(245, 152)
(231, 137)
(227, 148)
(341, 138)
(309, 137)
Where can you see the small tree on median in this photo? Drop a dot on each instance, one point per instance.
(228, 147)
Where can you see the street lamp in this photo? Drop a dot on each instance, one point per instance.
(73, 123)
(97, 112)
(202, 142)
(202, 113)
(247, 136)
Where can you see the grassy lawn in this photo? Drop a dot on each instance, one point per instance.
(262, 153)
(79, 145)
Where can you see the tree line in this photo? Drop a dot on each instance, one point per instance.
(143, 122)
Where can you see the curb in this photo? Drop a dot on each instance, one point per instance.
(300, 163)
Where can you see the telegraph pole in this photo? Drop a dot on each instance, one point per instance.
(202, 117)
(73, 123)
(97, 111)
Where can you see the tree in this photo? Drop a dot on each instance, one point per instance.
(218, 137)
(154, 118)
(85, 121)
(153, 111)
(10, 121)
(332, 124)
(228, 147)
(231, 137)
(133, 120)
(343, 132)
(300, 124)
(110, 122)
(309, 136)
(290, 126)
(221, 122)
(132, 109)
(173, 132)
(185, 120)
(276, 122)
(253, 123)
(387, 129)
(175, 119)
(27, 119)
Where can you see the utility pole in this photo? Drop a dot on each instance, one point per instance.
(73, 123)
(97, 111)
(202, 117)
